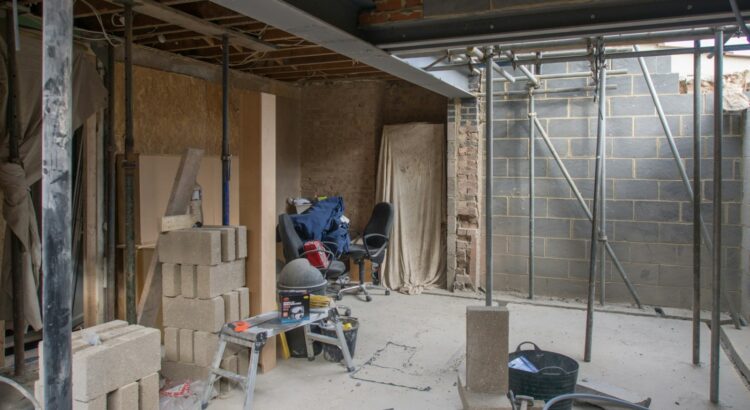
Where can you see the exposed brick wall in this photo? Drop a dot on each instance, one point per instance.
(387, 11)
(342, 124)
(649, 217)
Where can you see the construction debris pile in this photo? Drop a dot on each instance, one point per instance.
(115, 367)
(203, 282)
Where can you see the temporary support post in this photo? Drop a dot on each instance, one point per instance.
(110, 182)
(225, 159)
(697, 96)
(602, 84)
(532, 160)
(129, 164)
(488, 177)
(602, 129)
(716, 290)
(16, 267)
(57, 135)
(681, 169)
(585, 208)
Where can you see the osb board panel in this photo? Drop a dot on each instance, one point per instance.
(288, 146)
(172, 112)
(156, 176)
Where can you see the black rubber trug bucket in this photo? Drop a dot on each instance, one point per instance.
(557, 375)
(333, 353)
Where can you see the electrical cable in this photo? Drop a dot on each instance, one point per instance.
(740, 19)
(620, 402)
(21, 390)
(101, 23)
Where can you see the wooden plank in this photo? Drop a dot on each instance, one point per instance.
(198, 25)
(175, 222)
(182, 191)
(93, 286)
(258, 206)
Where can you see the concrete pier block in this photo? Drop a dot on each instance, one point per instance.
(99, 403)
(170, 279)
(195, 246)
(196, 314)
(186, 345)
(188, 281)
(244, 294)
(212, 281)
(172, 343)
(241, 242)
(487, 349)
(177, 371)
(148, 392)
(228, 241)
(124, 398)
(231, 306)
(205, 346)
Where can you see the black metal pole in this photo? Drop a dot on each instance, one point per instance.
(532, 177)
(488, 178)
(697, 96)
(129, 166)
(16, 266)
(57, 135)
(716, 285)
(111, 184)
(225, 158)
(595, 214)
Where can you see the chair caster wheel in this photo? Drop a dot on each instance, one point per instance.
(348, 312)
(350, 369)
(387, 292)
(310, 359)
(338, 297)
(368, 298)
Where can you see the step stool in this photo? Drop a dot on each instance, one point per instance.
(262, 327)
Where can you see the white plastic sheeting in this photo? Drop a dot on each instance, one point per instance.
(411, 176)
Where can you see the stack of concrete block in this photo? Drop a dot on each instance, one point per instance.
(121, 372)
(203, 283)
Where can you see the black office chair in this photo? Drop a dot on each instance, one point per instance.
(375, 239)
(294, 248)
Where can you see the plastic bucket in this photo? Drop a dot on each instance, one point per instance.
(332, 353)
(556, 374)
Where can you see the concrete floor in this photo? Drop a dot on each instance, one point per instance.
(414, 344)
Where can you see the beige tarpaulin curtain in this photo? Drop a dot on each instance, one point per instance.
(18, 211)
(411, 177)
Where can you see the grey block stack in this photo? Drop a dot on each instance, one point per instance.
(121, 372)
(203, 282)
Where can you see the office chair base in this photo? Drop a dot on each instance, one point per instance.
(362, 288)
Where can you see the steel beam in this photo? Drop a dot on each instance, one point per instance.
(57, 267)
(288, 18)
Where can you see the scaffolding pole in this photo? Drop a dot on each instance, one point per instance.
(682, 171)
(488, 179)
(111, 183)
(532, 160)
(602, 83)
(585, 208)
(16, 266)
(57, 135)
(225, 159)
(716, 290)
(129, 165)
(697, 96)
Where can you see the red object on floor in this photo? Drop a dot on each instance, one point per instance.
(318, 257)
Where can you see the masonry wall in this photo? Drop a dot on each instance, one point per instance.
(340, 132)
(649, 216)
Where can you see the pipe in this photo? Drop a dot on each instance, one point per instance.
(129, 165)
(532, 160)
(586, 210)
(522, 68)
(556, 90)
(716, 290)
(488, 182)
(697, 96)
(595, 222)
(225, 158)
(57, 235)
(603, 207)
(506, 75)
(621, 403)
(16, 265)
(111, 182)
(680, 167)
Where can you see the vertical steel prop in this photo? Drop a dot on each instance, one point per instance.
(716, 285)
(488, 130)
(697, 97)
(129, 165)
(225, 158)
(532, 176)
(57, 235)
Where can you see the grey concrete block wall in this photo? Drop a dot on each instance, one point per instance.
(648, 210)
